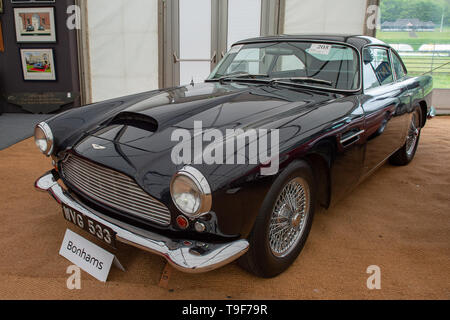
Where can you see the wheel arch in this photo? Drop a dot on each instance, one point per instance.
(424, 108)
(320, 159)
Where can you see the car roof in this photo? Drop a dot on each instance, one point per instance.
(357, 41)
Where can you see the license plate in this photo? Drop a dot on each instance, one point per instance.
(97, 229)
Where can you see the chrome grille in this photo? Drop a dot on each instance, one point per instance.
(113, 189)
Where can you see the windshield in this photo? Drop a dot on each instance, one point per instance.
(318, 64)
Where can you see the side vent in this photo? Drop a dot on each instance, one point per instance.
(135, 120)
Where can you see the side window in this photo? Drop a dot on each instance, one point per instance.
(370, 78)
(400, 71)
(377, 68)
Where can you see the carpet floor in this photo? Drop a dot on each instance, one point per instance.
(398, 219)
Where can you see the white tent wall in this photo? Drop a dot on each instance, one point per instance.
(325, 16)
(123, 47)
(120, 41)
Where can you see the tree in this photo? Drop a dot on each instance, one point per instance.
(424, 10)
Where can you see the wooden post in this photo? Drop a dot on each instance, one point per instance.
(367, 31)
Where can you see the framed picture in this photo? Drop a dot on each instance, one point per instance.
(1, 6)
(38, 64)
(35, 24)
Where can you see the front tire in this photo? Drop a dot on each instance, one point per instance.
(283, 224)
(406, 154)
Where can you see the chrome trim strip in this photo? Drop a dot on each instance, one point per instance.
(352, 136)
(202, 184)
(180, 254)
(49, 136)
(199, 177)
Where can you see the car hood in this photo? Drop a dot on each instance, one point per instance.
(149, 123)
(137, 140)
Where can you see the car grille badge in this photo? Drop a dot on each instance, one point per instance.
(98, 147)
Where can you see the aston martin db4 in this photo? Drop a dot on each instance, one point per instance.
(165, 170)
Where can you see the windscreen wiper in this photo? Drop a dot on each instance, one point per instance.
(240, 76)
(304, 79)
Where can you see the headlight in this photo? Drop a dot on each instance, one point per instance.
(191, 192)
(43, 138)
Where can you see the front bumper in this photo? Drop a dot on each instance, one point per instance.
(185, 255)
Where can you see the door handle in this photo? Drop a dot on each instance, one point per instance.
(176, 59)
(351, 138)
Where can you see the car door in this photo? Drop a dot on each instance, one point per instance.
(386, 103)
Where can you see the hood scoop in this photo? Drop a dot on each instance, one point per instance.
(136, 120)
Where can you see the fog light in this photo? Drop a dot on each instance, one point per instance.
(200, 227)
(182, 222)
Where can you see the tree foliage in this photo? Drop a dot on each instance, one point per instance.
(424, 10)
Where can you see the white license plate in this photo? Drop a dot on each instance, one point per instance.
(95, 228)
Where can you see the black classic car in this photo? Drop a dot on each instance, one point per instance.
(335, 109)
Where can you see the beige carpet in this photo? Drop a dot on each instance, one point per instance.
(399, 219)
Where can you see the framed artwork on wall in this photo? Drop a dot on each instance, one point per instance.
(35, 24)
(1, 6)
(38, 64)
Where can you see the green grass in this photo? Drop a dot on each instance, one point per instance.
(441, 81)
(417, 65)
(425, 64)
(435, 37)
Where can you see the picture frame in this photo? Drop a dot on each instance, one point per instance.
(35, 24)
(1, 6)
(38, 64)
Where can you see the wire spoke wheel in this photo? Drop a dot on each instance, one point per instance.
(289, 217)
(413, 134)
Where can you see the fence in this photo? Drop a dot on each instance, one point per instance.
(435, 63)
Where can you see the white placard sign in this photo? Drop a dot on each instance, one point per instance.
(319, 48)
(86, 255)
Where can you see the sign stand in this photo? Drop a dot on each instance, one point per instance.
(118, 265)
(165, 277)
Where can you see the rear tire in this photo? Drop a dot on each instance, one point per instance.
(283, 224)
(406, 154)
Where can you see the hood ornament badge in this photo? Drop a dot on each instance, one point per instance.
(98, 147)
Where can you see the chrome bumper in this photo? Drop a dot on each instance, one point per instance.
(187, 256)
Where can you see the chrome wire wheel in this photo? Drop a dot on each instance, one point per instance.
(289, 217)
(413, 134)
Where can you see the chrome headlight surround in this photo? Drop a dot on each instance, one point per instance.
(43, 138)
(191, 177)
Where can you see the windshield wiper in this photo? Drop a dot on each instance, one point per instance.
(304, 79)
(257, 78)
(240, 76)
